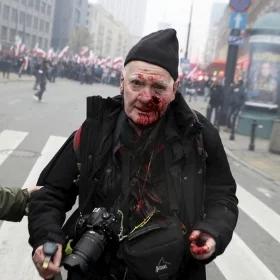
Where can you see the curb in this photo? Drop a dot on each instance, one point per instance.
(13, 81)
(232, 156)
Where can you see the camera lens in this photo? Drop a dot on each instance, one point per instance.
(88, 249)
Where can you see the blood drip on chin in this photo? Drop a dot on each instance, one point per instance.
(155, 106)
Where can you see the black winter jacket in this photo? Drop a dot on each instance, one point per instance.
(202, 180)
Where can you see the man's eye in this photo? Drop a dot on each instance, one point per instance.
(159, 88)
(136, 83)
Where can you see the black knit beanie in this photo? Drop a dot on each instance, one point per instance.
(159, 48)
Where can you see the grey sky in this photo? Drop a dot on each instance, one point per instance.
(176, 13)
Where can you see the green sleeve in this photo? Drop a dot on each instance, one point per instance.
(13, 202)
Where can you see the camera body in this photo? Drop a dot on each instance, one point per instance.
(93, 231)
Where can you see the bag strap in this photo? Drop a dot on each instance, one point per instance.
(76, 146)
(94, 108)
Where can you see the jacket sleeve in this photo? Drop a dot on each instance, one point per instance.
(49, 205)
(13, 202)
(220, 202)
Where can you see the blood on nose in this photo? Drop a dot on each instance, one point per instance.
(155, 100)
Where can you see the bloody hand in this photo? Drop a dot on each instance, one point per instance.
(202, 245)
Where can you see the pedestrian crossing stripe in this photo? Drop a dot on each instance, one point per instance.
(259, 212)
(9, 141)
(49, 150)
(237, 263)
(15, 235)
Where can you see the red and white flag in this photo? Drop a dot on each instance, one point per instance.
(191, 73)
(22, 48)
(63, 52)
(105, 62)
(17, 49)
(39, 52)
(26, 62)
(50, 54)
(84, 51)
(117, 63)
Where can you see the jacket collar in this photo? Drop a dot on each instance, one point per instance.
(181, 119)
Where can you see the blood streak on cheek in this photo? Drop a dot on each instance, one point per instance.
(158, 104)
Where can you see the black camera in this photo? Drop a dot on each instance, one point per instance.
(95, 230)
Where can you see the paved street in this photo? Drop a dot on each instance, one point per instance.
(31, 132)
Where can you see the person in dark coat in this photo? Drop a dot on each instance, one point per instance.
(6, 67)
(146, 157)
(42, 76)
(237, 100)
(215, 102)
(14, 203)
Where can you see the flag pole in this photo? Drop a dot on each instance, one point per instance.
(189, 31)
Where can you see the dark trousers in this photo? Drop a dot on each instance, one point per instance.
(232, 116)
(36, 83)
(41, 91)
(213, 110)
(6, 74)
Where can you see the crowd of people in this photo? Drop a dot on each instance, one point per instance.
(213, 91)
(44, 70)
(69, 68)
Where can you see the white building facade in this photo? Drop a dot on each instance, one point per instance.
(27, 21)
(110, 38)
(132, 13)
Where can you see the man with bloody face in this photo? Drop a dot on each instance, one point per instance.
(154, 163)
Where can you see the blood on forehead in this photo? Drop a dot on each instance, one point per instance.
(152, 78)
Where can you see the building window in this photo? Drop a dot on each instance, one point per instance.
(28, 20)
(14, 15)
(42, 25)
(30, 3)
(46, 44)
(20, 34)
(22, 18)
(43, 7)
(49, 10)
(4, 33)
(12, 35)
(40, 42)
(6, 12)
(35, 23)
(47, 27)
(33, 43)
(27, 39)
(77, 16)
(37, 5)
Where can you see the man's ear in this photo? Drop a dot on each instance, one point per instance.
(175, 85)
(121, 84)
